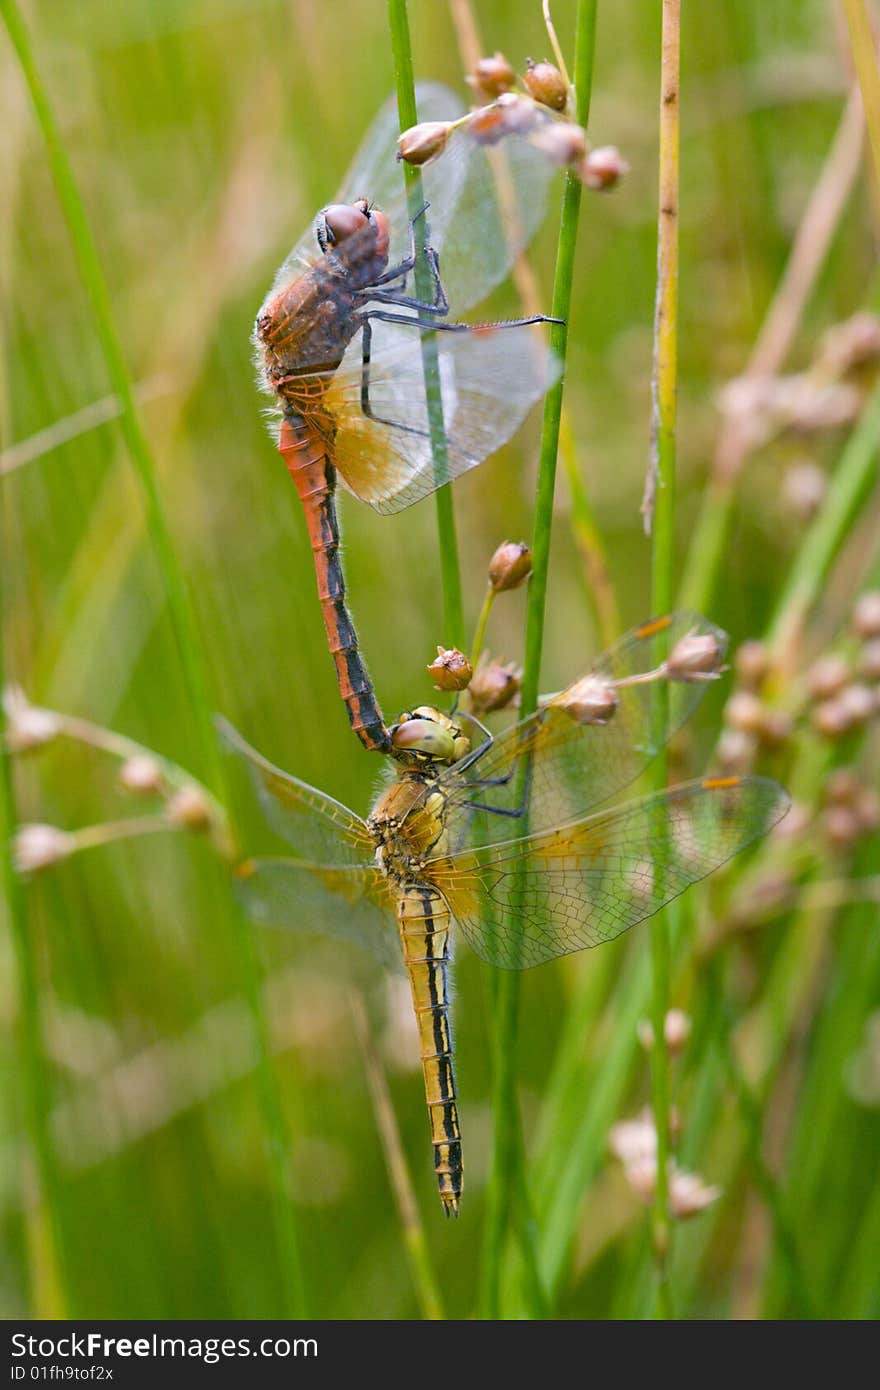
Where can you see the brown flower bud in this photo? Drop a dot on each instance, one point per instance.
(493, 685)
(775, 728)
(827, 676)
(867, 809)
(841, 827)
(795, 824)
(509, 115)
(142, 775)
(736, 750)
(451, 669)
(422, 143)
(869, 660)
(696, 657)
(843, 786)
(602, 168)
(850, 344)
(752, 663)
(38, 847)
(492, 76)
(190, 809)
(591, 700)
(866, 615)
(509, 566)
(745, 713)
(830, 719)
(546, 84)
(562, 142)
(859, 703)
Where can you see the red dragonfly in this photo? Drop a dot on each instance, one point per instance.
(340, 342)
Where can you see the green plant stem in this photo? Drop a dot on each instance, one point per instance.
(507, 1176)
(450, 573)
(662, 500)
(480, 630)
(180, 614)
(42, 1200)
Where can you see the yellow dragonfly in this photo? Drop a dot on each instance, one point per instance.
(502, 835)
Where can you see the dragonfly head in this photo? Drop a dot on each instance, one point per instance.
(424, 737)
(339, 221)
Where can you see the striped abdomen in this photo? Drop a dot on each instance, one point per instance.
(305, 453)
(424, 923)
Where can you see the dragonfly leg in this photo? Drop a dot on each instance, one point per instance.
(403, 268)
(366, 407)
(384, 317)
(438, 305)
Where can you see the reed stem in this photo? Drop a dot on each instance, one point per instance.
(450, 572)
(507, 1176)
(660, 515)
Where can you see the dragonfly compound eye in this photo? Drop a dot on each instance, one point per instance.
(424, 736)
(339, 221)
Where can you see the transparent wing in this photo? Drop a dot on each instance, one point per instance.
(488, 382)
(486, 205)
(352, 905)
(527, 901)
(557, 769)
(317, 827)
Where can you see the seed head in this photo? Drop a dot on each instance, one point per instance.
(830, 719)
(509, 115)
(602, 168)
(510, 566)
(745, 713)
(591, 700)
(546, 84)
(841, 827)
(866, 615)
(141, 774)
(843, 786)
(451, 669)
(736, 750)
(752, 662)
(689, 1195)
(827, 676)
(696, 657)
(869, 660)
(851, 344)
(492, 76)
(776, 727)
(867, 808)
(38, 847)
(804, 488)
(493, 685)
(562, 142)
(190, 809)
(858, 703)
(422, 143)
(676, 1031)
(27, 726)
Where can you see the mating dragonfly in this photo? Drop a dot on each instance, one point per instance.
(339, 345)
(502, 836)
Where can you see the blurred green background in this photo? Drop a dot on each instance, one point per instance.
(204, 134)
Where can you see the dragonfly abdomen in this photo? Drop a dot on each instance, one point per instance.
(424, 924)
(305, 454)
